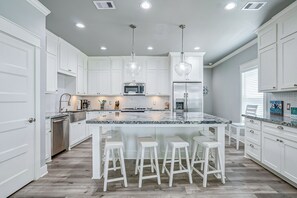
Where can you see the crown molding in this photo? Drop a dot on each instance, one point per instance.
(39, 6)
(187, 53)
(239, 50)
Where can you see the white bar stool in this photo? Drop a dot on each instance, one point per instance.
(151, 144)
(112, 144)
(176, 143)
(206, 148)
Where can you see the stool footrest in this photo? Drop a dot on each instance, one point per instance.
(116, 168)
(115, 179)
(149, 177)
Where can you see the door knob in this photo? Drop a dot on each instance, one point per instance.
(30, 120)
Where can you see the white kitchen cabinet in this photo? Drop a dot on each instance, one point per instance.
(80, 81)
(287, 62)
(195, 59)
(158, 82)
(116, 76)
(68, 58)
(77, 133)
(52, 43)
(267, 36)
(271, 151)
(289, 162)
(48, 140)
(287, 24)
(268, 65)
(51, 73)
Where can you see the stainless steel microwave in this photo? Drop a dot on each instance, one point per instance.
(134, 89)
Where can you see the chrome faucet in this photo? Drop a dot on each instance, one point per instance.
(60, 102)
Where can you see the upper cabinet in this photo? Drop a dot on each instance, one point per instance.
(52, 43)
(287, 24)
(81, 79)
(277, 45)
(68, 57)
(51, 62)
(195, 59)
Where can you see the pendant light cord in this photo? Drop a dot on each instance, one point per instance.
(133, 29)
(182, 52)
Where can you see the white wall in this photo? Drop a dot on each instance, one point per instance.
(226, 85)
(27, 16)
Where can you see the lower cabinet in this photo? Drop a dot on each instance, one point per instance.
(289, 162)
(77, 133)
(271, 153)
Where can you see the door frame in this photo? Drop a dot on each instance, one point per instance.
(12, 29)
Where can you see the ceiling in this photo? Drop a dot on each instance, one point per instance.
(208, 25)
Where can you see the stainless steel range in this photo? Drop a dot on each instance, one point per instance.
(133, 110)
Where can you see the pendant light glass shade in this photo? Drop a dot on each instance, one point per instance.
(183, 68)
(132, 66)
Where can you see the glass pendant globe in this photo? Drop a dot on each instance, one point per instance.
(133, 68)
(183, 69)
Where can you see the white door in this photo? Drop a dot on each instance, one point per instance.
(267, 65)
(17, 101)
(271, 152)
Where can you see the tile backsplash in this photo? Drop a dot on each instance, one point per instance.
(287, 97)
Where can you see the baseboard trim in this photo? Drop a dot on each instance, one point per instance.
(43, 171)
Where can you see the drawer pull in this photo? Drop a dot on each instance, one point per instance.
(252, 121)
(277, 140)
(273, 87)
(251, 131)
(281, 141)
(295, 85)
(252, 146)
(280, 128)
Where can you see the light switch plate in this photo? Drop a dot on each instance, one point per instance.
(288, 106)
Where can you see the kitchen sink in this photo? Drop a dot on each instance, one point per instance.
(75, 116)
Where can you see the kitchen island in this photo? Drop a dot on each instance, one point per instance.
(156, 124)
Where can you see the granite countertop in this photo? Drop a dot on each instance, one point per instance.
(280, 120)
(157, 117)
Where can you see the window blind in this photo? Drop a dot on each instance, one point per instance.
(250, 94)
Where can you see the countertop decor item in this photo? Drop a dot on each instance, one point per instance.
(132, 66)
(277, 107)
(102, 103)
(117, 105)
(294, 113)
(183, 68)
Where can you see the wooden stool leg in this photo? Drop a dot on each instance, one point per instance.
(157, 165)
(220, 162)
(194, 155)
(123, 167)
(165, 158)
(152, 159)
(172, 167)
(114, 162)
(203, 157)
(137, 159)
(237, 137)
(188, 166)
(106, 169)
(141, 168)
(179, 159)
(205, 167)
(229, 134)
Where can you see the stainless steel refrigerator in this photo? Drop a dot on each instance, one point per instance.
(187, 96)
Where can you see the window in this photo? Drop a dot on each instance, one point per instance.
(249, 90)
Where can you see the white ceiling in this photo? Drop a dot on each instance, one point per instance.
(216, 31)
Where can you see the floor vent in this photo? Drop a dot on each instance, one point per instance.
(253, 6)
(104, 5)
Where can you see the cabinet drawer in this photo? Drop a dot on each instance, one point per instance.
(253, 135)
(285, 132)
(253, 150)
(253, 124)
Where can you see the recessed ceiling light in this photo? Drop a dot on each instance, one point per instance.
(146, 5)
(80, 25)
(196, 48)
(230, 6)
(103, 48)
(150, 48)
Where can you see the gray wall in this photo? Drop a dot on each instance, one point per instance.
(226, 89)
(25, 15)
(207, 99)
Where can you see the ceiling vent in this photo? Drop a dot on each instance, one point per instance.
(253, 6)
(104, 5)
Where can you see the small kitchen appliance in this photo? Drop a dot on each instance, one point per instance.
(134, 89)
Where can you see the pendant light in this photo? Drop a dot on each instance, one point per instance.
(183, 68)
(132, 66)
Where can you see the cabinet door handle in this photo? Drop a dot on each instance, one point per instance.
(280, 127)
(252, 146)
(252, 131)
(273, 87)
(69, 70)
(252, 121)
(281, 141)
(277, 140)
(295, 85)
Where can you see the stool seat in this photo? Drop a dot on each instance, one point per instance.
(238, 124)
(147, 141)
(211, 144)
(177, 142)
(200, 139)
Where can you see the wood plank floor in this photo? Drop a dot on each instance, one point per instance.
(70, 176)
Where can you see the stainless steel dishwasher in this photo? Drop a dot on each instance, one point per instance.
(60, 134)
